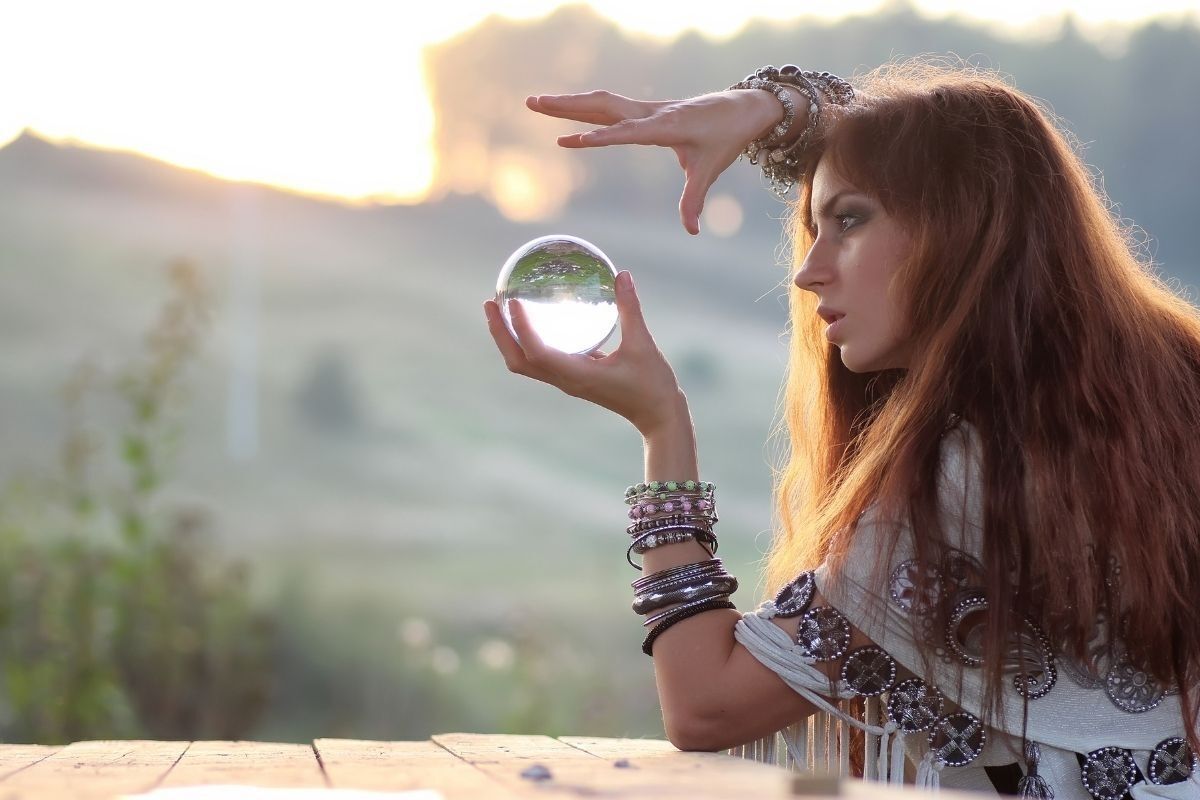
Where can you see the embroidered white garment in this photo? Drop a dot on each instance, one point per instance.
(1069, 720)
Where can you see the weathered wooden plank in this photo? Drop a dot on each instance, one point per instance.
(16, 757)
(248, 764)
(94, 770)
(400, 766)
(574, 772)
(605, 747)
(661, 754)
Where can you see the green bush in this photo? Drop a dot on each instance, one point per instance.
(117, 619)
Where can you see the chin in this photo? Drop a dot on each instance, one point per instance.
(858, 364)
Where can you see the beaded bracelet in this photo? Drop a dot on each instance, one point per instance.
(781, 164)
(680, 614)
(706, 539)
(789, 109)
(707, 521)
(664, 536)
(677, 497)
(701, 507)
(670, 486)
(690, 520)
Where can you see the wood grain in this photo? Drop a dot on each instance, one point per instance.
(93, 770)
(575, 772)
(399, 766)
(248, 764)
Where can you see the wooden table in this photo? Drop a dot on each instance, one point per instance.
(455, 765)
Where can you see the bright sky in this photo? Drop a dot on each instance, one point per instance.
(320, 97)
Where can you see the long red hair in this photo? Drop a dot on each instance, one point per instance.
(1035, 317)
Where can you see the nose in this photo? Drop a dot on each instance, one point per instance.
(816, 269)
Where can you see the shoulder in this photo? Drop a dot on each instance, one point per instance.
(960, 487)
(878, 543)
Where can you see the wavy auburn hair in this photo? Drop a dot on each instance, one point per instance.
(1033, 316)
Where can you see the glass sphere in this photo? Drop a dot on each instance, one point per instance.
(567, 287)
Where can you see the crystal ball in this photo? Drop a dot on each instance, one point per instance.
(567, 287)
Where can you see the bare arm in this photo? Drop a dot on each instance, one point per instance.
(713, 693)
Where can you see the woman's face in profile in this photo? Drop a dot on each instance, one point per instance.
(858, 247)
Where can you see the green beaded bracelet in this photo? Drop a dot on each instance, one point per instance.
(670, 486)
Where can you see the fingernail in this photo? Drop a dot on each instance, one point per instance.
(624, 279)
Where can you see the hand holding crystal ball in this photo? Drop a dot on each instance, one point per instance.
(567, 287)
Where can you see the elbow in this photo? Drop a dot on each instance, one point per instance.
(696, 736)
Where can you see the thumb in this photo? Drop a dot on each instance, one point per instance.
(629, 310)
(695, 187)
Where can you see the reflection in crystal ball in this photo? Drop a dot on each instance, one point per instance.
(567, 287)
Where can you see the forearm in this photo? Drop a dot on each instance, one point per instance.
(689, 656)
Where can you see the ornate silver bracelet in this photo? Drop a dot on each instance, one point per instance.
(713, 587)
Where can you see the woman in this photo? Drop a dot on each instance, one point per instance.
(989, 546)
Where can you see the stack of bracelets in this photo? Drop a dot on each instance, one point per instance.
(669, 512)
(780, 161)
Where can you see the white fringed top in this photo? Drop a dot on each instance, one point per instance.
(1069, 720)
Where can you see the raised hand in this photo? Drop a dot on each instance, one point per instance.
(707, 132)
(634, 380)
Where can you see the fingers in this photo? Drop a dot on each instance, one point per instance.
(510, 349)
(598, 107)
(629, 311)
(691, 203)
(624, 121)
(526, 354)
(629, 131)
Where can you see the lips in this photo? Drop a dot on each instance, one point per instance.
(830, 315)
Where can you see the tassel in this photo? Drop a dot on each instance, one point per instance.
(795, 741)
(1033, 786)
(896, 778)
(844, 747)
(870, 717)
(929, 774)
(769, 750)
(881, 766)
(820, 759)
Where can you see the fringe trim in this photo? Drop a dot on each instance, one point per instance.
(821, 744)
(929, 774)
(825, 747)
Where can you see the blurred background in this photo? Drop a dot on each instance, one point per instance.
(262, 471)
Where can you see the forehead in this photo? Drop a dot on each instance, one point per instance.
(827, 183)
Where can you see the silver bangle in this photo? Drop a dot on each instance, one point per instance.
(645, 603)
(789, 109)
(674, 573)
(669, 584)
(781, 164)
(651, 620)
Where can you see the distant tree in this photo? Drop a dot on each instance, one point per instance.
(327, 396)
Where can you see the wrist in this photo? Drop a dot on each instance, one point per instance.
(764, 109)
(674, 419)
(670, 450)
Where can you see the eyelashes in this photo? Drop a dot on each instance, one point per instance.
(845, 221)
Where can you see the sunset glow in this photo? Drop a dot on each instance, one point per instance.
(322, 98)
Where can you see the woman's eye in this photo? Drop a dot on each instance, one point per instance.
(846, 221)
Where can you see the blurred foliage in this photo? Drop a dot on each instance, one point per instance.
(117, 619)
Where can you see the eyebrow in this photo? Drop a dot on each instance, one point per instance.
(826, 210)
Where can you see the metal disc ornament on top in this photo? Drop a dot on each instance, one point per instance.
(567, 288)
(795, 598)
